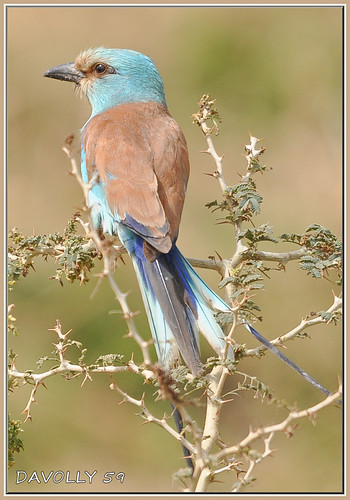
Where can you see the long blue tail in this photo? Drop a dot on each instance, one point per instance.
(178, 305)
(288, 361)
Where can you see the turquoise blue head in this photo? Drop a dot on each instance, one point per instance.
(110, 77)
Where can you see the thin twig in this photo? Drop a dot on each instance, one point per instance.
(304, 323)
(64, 366)
(283, 426)
(150, 418)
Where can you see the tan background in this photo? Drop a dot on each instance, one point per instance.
(275, 72)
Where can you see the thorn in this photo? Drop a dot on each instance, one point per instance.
(69, 139)
(87, 377)
(122, 259)
(66, 334)
(113, 386)
(220, 258)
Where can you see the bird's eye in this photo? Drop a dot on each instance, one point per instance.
(100, 68)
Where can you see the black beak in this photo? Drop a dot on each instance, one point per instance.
(66, 72)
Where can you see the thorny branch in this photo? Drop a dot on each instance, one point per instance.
(304, 323)
(227, 268)
(64, 367)
(220, 265)
(241, 202)
(150, 418)
(267, 433)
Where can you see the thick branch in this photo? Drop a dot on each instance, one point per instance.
(282, 257)
(244, 253)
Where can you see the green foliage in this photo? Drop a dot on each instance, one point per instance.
(109, 360)
(15, 444)
(259, 389)
(12, 382)
(330, 317)
(254, 166)
(245, 281)
(188, 384)
(255, 235)
(230, 364)
(72, 252)
(324, 251)
(241, 201)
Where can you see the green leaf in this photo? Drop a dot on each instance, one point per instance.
(15, 444)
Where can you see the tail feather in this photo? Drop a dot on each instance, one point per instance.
(211, 297)
(164, 339)
(179, 426)
(206, 301)
(177, 313)
(178, 304)
(170, 317)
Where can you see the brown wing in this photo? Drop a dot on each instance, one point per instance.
(141, 157)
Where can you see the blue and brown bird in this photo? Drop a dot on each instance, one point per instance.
(138, 154)
(141, 160)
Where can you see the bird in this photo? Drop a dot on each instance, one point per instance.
(138, 156)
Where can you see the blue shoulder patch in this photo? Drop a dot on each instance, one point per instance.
(101, 215)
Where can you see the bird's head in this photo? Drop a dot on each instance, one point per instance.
(109, 77)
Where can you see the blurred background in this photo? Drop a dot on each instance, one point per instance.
(276, 72)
